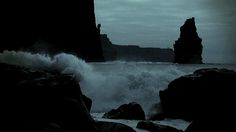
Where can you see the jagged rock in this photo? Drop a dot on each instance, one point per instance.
(188, 48)
(131, 111)
(42, 101)
(199, 96)
(113, 127)
(52, 28)
(88, 102)
(134, 52)
(152, 127)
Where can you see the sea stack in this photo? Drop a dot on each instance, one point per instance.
(52, 28)
(188, 48)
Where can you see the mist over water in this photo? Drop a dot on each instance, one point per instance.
(108, 84)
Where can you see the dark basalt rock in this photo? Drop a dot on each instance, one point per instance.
(205, 95)
(113, 127)
(131, 111)
(51, 28)
(42, 101)
(152, 127)
(88, 102)
(188, 48)
(158, 116)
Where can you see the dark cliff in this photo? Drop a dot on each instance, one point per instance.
(188, 48)
(52, 28)
(134, 53)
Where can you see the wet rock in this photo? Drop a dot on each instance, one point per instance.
(113, 127)
(200, 95)
(152, 127)
(38, 101)
(131, 111)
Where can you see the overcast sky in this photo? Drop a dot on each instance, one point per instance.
(156, 23)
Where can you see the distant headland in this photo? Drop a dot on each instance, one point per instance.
(113, 52)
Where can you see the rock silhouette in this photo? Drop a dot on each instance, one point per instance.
(42, 101)
(51, 28)
(206, 97)
(152, 127)
(188, 48)
(113, 127)
(134, 52)
(131, 111)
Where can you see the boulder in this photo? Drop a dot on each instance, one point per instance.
(131, 111)
(152, 127)
(113, 127)
(42, 101)
(207, 94)
(188, 48)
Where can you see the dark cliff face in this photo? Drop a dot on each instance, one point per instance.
(188, 48)
(52, 28)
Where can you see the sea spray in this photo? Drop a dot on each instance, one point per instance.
(109, 86)
(26, 59)
(65, 63)
(125, 82)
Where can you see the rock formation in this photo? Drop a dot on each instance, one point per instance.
(113, 127)
(188, 48)
(189, 96)
(51, 28)
(134, 53)
(131, 111)
(152, 127)
(42, 101)
(206, 97)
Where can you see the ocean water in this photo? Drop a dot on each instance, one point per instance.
(124, 82)
(111, 84)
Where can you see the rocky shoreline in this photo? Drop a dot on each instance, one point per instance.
(48, 101)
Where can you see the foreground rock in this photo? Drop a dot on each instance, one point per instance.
(207, 97)
(200, 95)
(146, 125)
(131, 111)
(42, 101)
(188, 48)
(113, 127)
